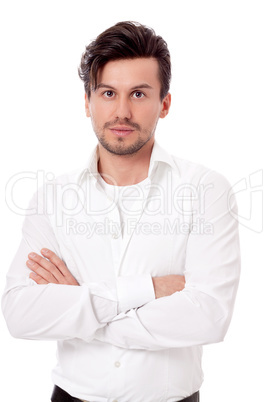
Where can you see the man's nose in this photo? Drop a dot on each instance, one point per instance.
(123, 109)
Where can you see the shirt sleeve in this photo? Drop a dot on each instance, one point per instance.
(129, 297)
(58, 312)
(201, 313)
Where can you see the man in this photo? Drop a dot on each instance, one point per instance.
(132, 263)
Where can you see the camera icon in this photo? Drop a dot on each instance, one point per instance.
(249, 195)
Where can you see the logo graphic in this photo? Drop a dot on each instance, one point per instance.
(249, 195)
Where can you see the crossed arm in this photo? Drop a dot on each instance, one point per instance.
(197, 311)
(49, 268)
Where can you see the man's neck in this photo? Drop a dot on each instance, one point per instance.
(125, 170)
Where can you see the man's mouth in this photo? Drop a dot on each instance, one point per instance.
(121, 131)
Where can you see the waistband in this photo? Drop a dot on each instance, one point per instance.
(59, 395)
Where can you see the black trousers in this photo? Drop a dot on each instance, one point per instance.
(59, 395)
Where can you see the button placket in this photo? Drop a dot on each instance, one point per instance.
(116, 236)
(127, 237)
(117, 374)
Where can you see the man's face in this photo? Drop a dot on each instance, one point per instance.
(126, 105)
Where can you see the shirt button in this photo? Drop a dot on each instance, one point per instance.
(115, 236)
(115, 400)
(117, 364)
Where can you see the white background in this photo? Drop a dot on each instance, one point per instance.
(218, 118)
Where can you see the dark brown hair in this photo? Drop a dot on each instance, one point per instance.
(125, 40)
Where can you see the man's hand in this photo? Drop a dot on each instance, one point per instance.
(50, 269)
(167, 285)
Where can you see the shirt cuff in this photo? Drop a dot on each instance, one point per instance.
(134, 291)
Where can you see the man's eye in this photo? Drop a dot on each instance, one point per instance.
(138, 94)
(108, 94)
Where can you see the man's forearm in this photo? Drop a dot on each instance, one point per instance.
(167, 285)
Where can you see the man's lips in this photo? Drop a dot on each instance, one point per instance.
(121, 130)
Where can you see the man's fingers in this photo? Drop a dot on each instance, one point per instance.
(40, 271)
(43, 268)
(38, 279)
(51, 268)
(67, 277)
(55, 260)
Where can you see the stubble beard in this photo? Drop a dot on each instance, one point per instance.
(119, 146)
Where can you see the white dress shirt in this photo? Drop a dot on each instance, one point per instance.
(115, 341)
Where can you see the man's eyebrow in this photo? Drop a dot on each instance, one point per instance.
(140, 86)
(102, 85)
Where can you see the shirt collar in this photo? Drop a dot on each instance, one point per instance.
(91, 168)
(159, 154)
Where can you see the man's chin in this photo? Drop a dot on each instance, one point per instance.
(122, 149)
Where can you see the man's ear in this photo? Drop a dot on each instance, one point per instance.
(166, 102)
(87, 106)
